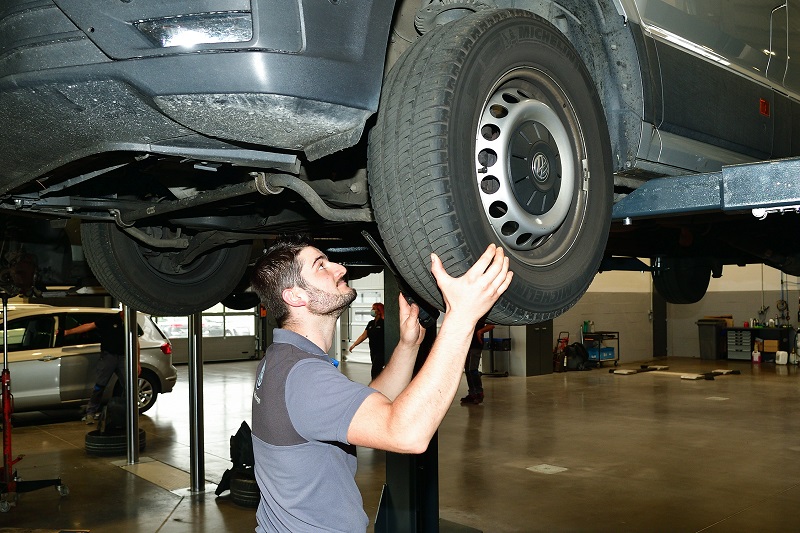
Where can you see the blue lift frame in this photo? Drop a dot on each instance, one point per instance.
(763, 188)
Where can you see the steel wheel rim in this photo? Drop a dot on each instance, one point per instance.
(145, 392)
(526, 195)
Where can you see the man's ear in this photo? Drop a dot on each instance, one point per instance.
(294, 297)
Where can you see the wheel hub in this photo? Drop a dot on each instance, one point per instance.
(525, 184)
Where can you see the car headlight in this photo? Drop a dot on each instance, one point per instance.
(200, 28)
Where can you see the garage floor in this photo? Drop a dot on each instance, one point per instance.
(582, 451)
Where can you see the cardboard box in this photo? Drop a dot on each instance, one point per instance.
(727, 318)
(770, 346)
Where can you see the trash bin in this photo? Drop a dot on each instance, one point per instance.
(712, 338)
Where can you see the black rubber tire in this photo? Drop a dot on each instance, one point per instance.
(149, 388)
(111, 442)
(681, 280)
(424, 160)
(241, 301)
(244, 489)
(140, 277)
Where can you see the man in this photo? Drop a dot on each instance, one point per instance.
(111, 329)
(308, 418)
(474, 381)
(374, 332)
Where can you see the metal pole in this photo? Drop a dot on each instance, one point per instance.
(6, 395)
(197, 468)
(131, 383)
(410, 498)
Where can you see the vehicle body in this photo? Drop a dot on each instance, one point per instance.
(180, 134)
(50, 371)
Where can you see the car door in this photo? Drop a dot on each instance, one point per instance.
(80, 354)
(33, 363)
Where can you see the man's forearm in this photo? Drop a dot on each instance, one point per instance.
(397, 374)
(420, 408)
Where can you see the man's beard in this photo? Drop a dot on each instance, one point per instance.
(329, 304)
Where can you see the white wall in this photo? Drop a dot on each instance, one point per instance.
(616, 301)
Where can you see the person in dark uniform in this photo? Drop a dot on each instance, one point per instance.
(474, 382)
(111, 329)
(374, 333)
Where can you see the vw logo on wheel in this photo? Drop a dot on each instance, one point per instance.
(540, 167)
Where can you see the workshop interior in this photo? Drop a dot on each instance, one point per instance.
(638, 162)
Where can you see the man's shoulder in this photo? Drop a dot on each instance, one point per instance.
(283, 357)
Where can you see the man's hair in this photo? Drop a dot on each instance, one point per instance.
(276, 270)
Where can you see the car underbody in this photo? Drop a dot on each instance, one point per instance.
(177, 181)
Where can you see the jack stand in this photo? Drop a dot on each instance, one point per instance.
(9, 481)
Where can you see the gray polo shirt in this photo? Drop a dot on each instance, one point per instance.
(304, 466)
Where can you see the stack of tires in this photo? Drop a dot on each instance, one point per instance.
(110, 437)
(244, 489)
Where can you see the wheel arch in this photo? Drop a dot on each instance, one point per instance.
(612, 52)
(156, 379)
(612, 55)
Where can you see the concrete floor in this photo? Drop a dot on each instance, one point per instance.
(581, 451)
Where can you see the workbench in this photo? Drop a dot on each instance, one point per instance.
(740, 342)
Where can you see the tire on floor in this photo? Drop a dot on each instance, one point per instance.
(244, 489)
(111, 442)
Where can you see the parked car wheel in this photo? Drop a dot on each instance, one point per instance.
(150, 280)
(148, 390)
(111, 442)
(490, 130)
(681, 280)
(244, 488)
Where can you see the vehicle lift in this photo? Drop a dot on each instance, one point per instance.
(10, 483)
(762, 188)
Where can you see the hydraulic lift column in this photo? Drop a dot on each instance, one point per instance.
(410, 498)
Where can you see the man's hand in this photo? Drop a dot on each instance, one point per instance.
(473, 294)
(411, 332)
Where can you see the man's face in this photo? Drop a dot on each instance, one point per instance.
(324, 282)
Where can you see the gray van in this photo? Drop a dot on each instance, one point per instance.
(180, 132)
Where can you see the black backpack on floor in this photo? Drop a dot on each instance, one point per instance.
(577, 357)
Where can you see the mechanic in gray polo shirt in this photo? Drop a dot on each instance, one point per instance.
(308, 418)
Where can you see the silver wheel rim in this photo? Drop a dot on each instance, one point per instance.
(145, 392)
(525, 168)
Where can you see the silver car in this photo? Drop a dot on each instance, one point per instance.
(50, 371)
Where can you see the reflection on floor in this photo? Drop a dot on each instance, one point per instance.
(581, 451)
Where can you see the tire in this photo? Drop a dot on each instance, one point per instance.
(244, 489)
(111, 442)
(149, 387)
(681, 280)
(241, 301)
(445, 167)
(149, 280)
